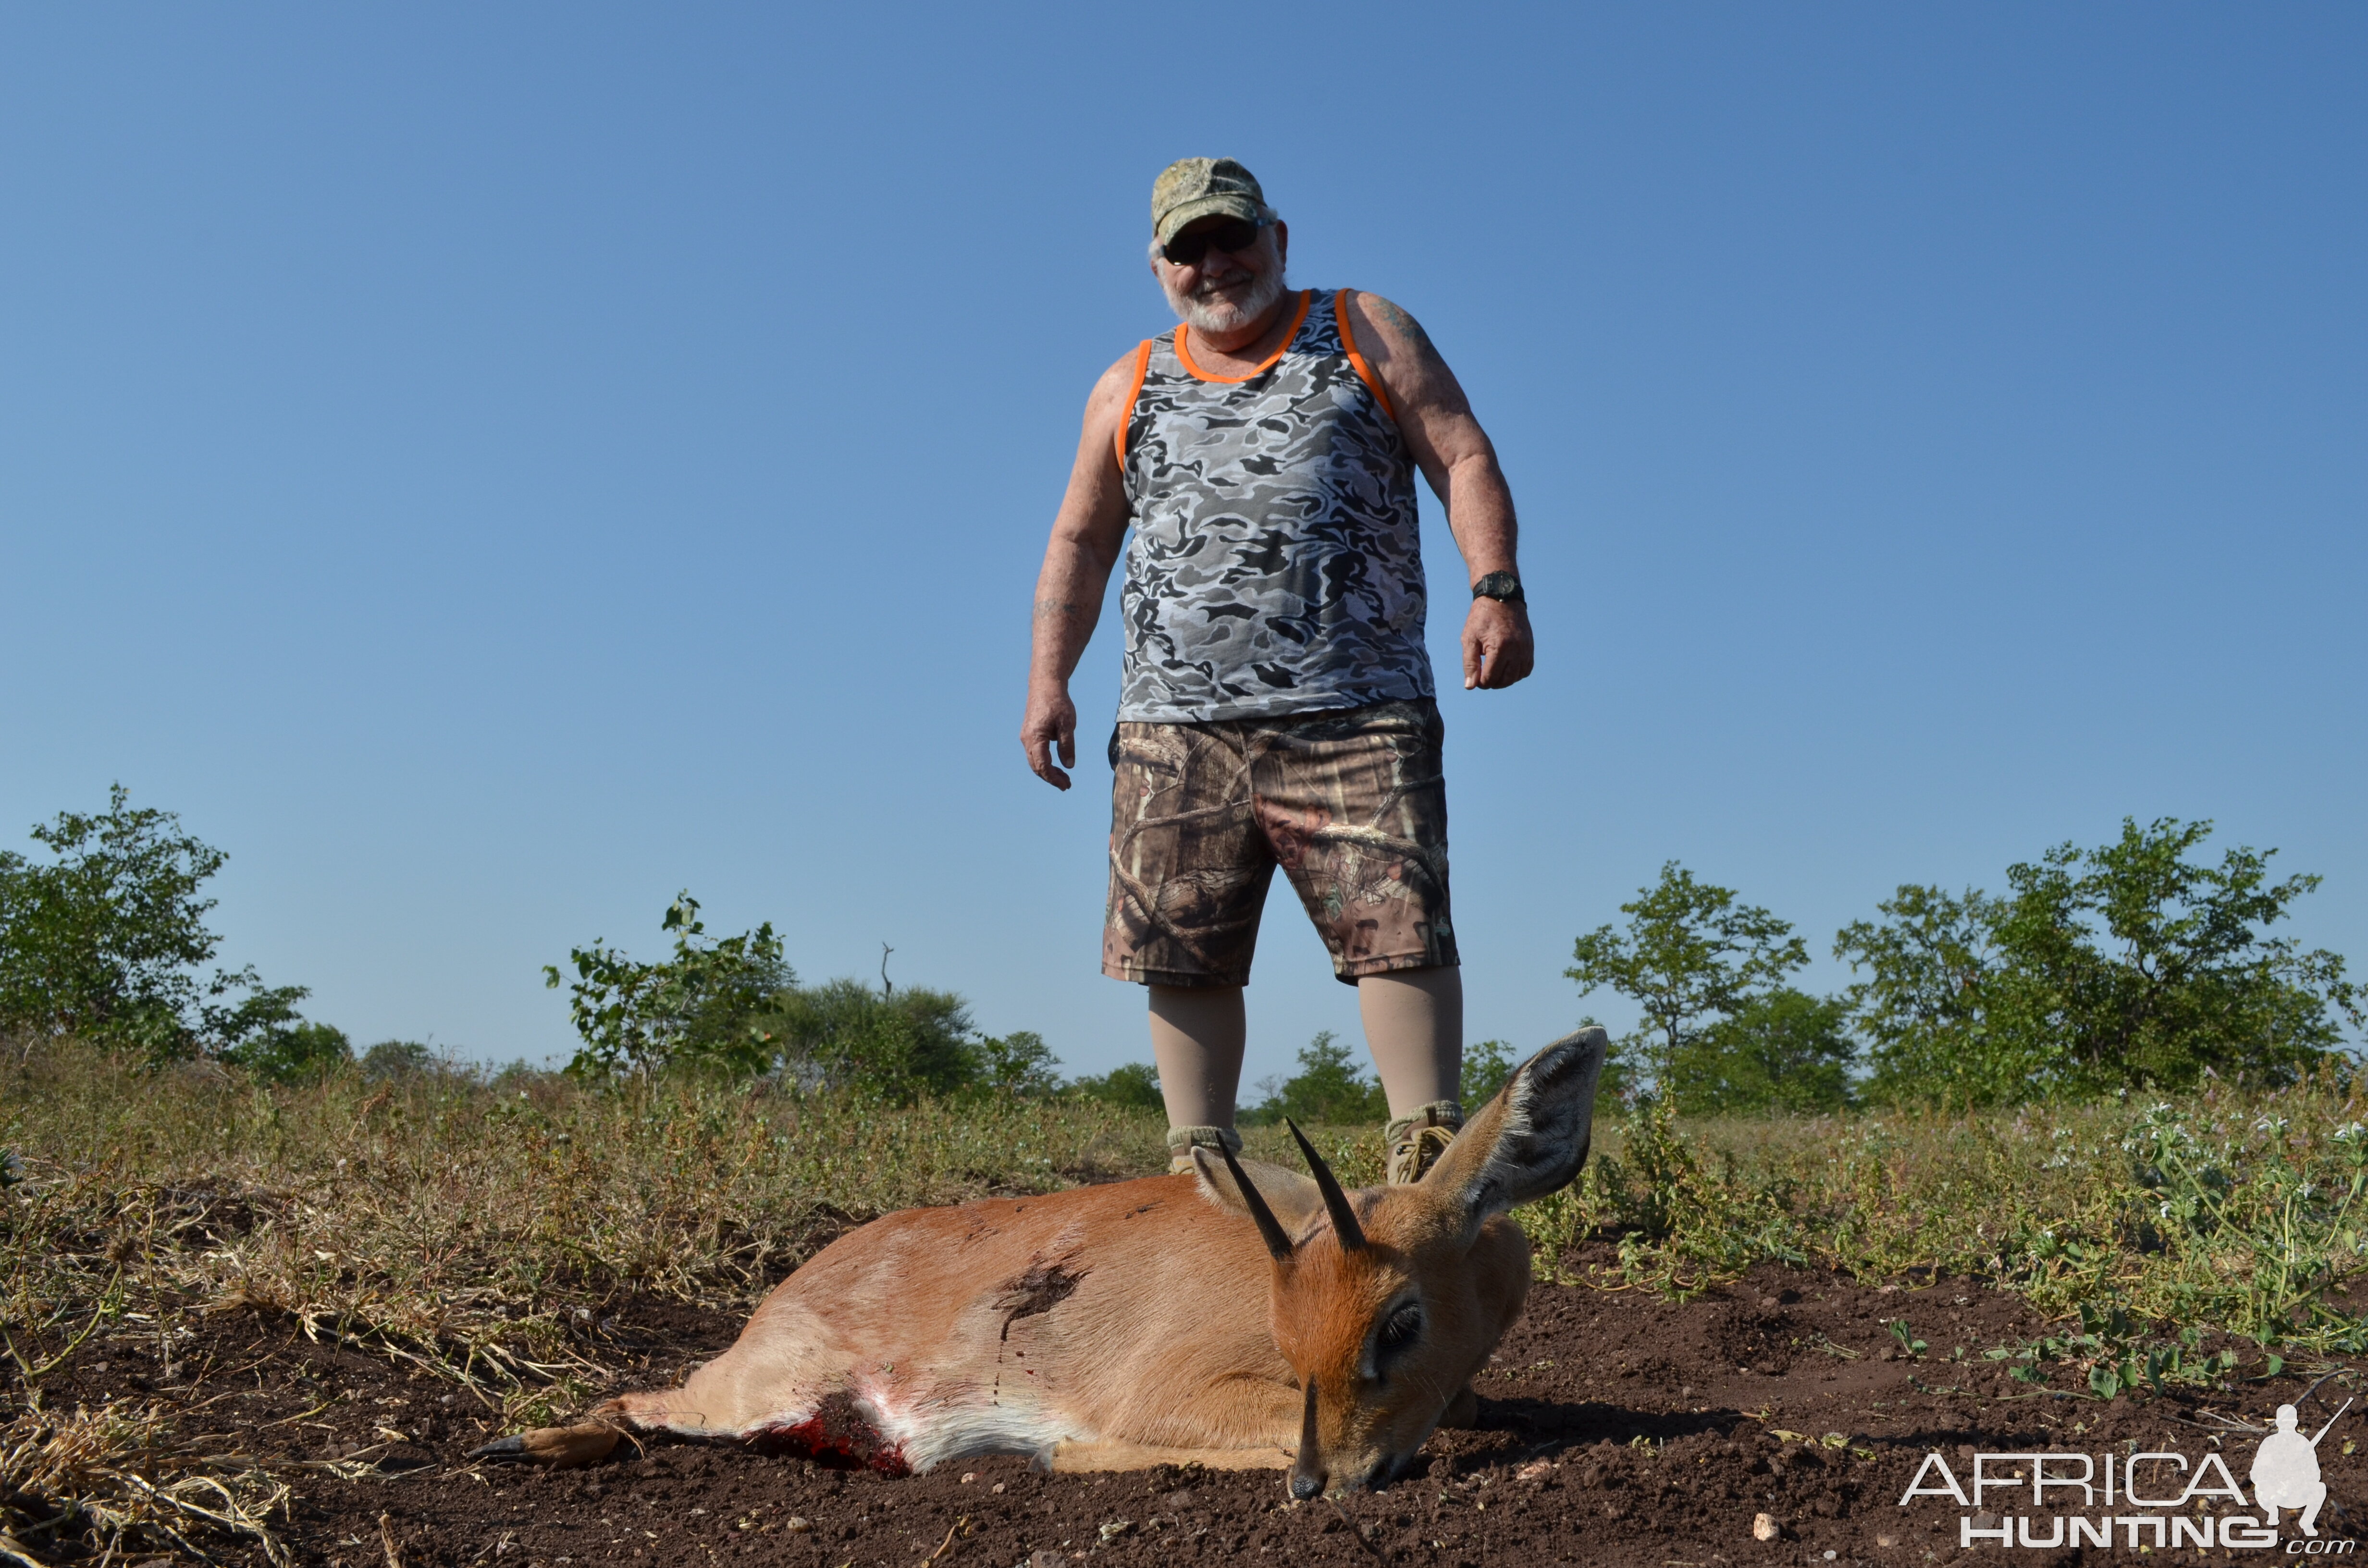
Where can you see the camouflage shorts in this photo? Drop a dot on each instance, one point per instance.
(1351, 803)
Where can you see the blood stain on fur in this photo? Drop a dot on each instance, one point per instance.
(837, 1434)
(1042, 1288)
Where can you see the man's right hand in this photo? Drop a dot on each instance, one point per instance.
(1052, 721)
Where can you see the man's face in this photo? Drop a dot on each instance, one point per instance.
(1227, 290)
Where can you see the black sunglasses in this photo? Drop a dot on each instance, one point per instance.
(1186, 250)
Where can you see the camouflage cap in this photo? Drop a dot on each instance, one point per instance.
(1191, 188)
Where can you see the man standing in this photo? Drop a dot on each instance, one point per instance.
(1277, 700)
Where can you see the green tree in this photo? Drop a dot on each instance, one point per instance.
(1134, 1087)
(107, 940)
(1330, 1086)
(1691, 957)
(2142, 966)
(844, 1034)
(708, 1005)
(296, 1054)
(1019, 1063)
(2130, 965)
(1782, 1051)
(1931, 965)
(1487, 1067)
(398, 1059)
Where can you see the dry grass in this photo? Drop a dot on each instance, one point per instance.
(472, 1232)
(475, 1234)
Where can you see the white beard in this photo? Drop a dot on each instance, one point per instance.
(1220, 312)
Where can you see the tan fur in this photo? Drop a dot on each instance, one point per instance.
(1143, 1321)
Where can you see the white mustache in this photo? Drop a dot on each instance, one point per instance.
(1208, 286)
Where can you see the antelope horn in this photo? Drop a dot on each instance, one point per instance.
(1344, 1218)
(1277, 1242)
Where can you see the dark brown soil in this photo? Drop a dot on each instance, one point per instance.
(1616, 1428)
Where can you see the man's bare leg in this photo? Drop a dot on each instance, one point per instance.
(1414, 1025)
(1197, 1035)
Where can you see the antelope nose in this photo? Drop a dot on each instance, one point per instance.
(1307, 1485)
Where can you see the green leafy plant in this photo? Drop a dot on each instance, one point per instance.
(1019, 1063)
(1134, 1087)
(294, 1054)
(2128, 966)
(1487, 1067)
(398, 1059)
(1784, 1049)
(106, 941)
(1330, 1086)
(733, 1005)
(2111, 1352)
(706, 1005)
(1690, 959)
(844, 1034)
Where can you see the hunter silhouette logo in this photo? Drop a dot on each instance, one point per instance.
(2285, 1470)
(2146, 1502)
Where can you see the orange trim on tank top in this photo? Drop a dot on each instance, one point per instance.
(1307, 298)
(1126, 414)
(1348, 342)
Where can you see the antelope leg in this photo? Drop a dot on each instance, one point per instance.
(563, 1448)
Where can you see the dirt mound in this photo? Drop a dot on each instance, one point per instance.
(1616, 1428)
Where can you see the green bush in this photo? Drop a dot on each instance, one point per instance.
(732, 1006)
(844, 1034)
(1330, 1088)
(1018, 1064)
(294, 1055)
(1697, 964)
(398, 1059)
(1782, 1051)
(1134, 1087)
(1486, 1066)
(701, 1007)
(2128, 966)
(106, 941)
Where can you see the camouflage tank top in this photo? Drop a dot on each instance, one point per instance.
(1275, 566)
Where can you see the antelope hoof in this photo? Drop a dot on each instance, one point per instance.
(1463, 1410)
(562, 1447)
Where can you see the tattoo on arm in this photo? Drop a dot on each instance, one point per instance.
(1397, 321)
(1430, 386)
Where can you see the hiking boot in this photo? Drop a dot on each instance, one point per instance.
(1415, 1142)
(1182, 1140)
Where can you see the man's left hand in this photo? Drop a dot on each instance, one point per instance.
(1497, 650)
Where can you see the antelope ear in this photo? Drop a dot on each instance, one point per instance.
(1531, 1139)
(1292, 1197)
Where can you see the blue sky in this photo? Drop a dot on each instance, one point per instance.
(488, 468)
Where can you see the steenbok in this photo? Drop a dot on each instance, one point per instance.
(1121, 1326)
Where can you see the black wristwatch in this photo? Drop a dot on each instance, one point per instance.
(1502, 587)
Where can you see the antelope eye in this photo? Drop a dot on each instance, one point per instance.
(1402, 1329)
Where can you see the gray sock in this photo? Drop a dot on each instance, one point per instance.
(1181, 1139)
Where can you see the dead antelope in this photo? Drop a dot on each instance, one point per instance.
(1115, 1327)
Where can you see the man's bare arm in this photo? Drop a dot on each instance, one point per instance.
(1087, 533)
(1456, 456)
